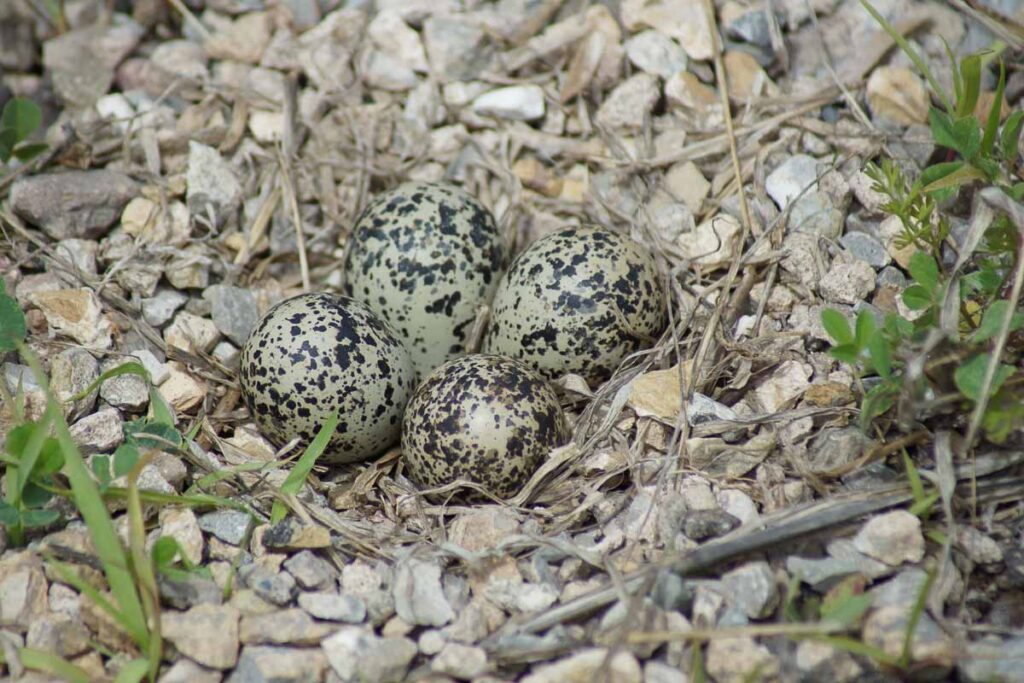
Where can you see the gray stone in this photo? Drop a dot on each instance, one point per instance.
(230, 526)
(334, 607)
(752, 26)
(276, 587)
(82, 204)
(58, 633)
(655, 53)
(158, 372)
(187, 671)
(893, 538)
(659, 672)
(80, 255)
(431, 641)
(978, 547)
(161, 307)
(791, 178)
(276, 664)
(835, 447)
(843, 560)
(101, 432)
(185, 592)
(821, 662)
(356, 654)
(752, 589)
(630, 102)
(206, 634)
(127, 392)
(592, 664)
(731, 660)
(464, 662)
(213, 186)
(932, 652)
(704, 409)
(71, 372)
(189, 269)
(891, 276)
(849, 281)
(866, 248)
(513, 103)
(22, 590)
(419, 599)
(385, 71)
(311, 571)
(304, 13)
(282, 627)
(993, 660)
(698, 525)
(900, 591)
(456, 49)
(81, 62)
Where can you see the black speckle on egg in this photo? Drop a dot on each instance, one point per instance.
(316, 355)
(482, 418)
(578, 300)
(424, 257)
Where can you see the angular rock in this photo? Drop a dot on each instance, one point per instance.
(76, 313)
(821, 662)
(866, 248)
(213, 186)
(992, 660)
(234, 311)
(464, 662)
(72, 204)
(514, 103)
(896, 94)
(655, 53)
(190, 332)
(390, 33)
(289, 534)
(334, 607)
(23, 595)
(230, 526)
(588, 665)
(101, 432)
(266, 663)
(457, 50)
(181, 390)
(181, 525)
(206, 634)
(850, 280)
(752, 588)
(187, 671)
(699, 525)
(629, 103)
(283, 627)
(312, 572)
(161, 307)
(893, 538)
(356, 654)
(71, 372)
(128, 392)
(732, 660)
(483, 529)
(931, 649)
(419, 598)
(275, 587)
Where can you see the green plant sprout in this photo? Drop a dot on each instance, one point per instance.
(20, 118)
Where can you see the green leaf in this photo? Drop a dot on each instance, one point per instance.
(865, 329)
(877, 401)
(161, 412)
(35, 496)
(962, 135)
(938, 171)
(9, 515)
(22, 116)
(133, 672)
(916, 486)
(293, 483)
(881, 356)
(917, 298)
(924, 270)
(165, 549)
(837, 326)
(970, 77)
(1011, 134)
(27, 152)
(992, 123)
(50, 663)
(992, 321)
(125, 458)
(34, 519)
(846, 609)
(951, 182)
(8, 140)
(1016, 191)
(922, 507)
(847, 353)
(898, 327)
(969, 376)
(12, 322)
(101, 468)
(1005, 414)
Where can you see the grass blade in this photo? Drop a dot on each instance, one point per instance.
(133, 672)
(96, 517)
(304, 466)
(141, 561)
(47, 662)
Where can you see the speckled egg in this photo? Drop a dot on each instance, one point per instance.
(424, 257)
(316, 355)
(486, 419)
(578, 300)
